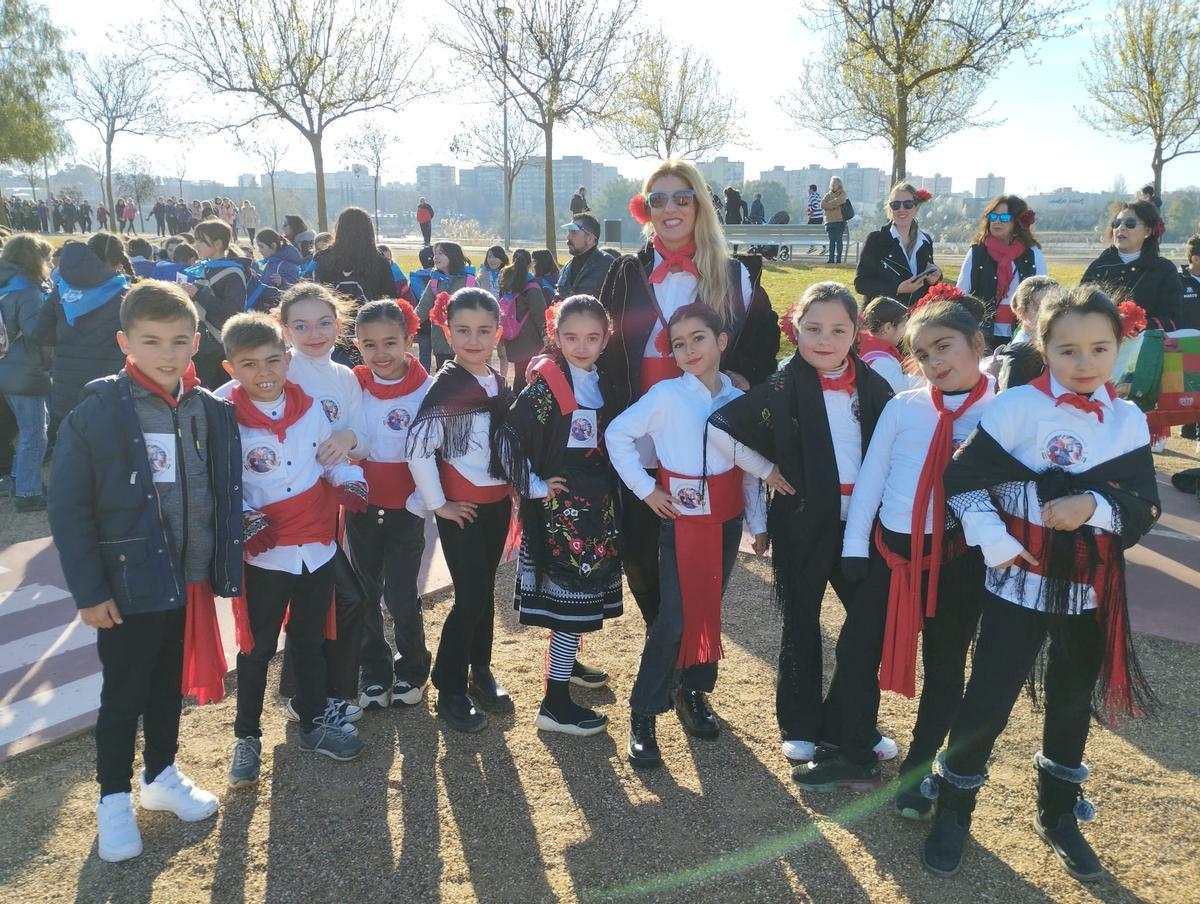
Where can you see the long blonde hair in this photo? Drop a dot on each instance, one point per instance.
(913, 228)
(711, 257)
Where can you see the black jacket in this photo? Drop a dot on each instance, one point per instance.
(1189, 318)
(882, 266)
(375, 282)
(220, 293)
(25, 370)
(1150, 281)
(983, 273)
(88, 349)
(754, 333)
(584, 274)
(104, 512)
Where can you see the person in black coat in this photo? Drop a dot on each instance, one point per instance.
(897, 258)
(82, 318)
(1130, 268)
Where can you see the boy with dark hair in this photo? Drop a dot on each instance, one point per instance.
(148, 524)
(141, 255)
(290, 516)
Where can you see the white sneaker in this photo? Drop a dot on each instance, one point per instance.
(886, 749)
(172, 790)
(332, 715)
(408, 694)
(116, 826)
(349, 710)
(800, 751)
(375, 696)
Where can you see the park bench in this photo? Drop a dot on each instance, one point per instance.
(787, 238)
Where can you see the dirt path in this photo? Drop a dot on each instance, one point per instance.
(514, 815)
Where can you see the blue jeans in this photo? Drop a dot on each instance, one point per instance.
(836, 232)
(30, 412)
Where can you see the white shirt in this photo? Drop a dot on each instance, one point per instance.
(912, 257)
(586, 386)
(387, 420)
(841, 409)
(473, 465)
(891, 370)
(1026, 422)
(887, 480)
(676, 290)
(964, 283)
(335, 390)
(673, 414)
(273, 471)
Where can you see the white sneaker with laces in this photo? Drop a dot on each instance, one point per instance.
(116, 826)
(349, 710)
(800, 751)
(172, 790)
(334, 719)
(886, 749)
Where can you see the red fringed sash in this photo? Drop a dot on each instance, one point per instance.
(204, 665)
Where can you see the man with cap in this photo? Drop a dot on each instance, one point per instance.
(584, 273)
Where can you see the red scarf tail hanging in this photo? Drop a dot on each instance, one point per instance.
(204, 665)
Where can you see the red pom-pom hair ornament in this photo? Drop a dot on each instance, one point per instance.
(412, 322)
(1133, 318)
(923, 195)
(438, 315)
(1158, 228)
(552, 317)
(662, 343)
(788, 325)
(639, 209)
(1027, 218)
(939, 292)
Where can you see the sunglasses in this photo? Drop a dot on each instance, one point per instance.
(907, 205)
(999, 217)
(1128, 223)
(682, 198)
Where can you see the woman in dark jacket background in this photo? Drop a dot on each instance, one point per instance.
(352, 265)
(82, 318)
(24, 374)
(897, 258)
(1130, 267)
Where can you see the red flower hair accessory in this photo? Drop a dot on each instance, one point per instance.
(662, 343)
(1133, 318)
(438, 314)
(788, 325)
(939, 292)
(412, 322)
(639, 209)
(1027, 218)
(551, 317)
(923, 195)
(1158, 228)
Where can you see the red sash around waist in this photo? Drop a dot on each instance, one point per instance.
(1082, 573)
(457, 488)
(310, 517)
(655, 370)
(204, 663)
(898, 666)
(698, 558)
(389, 483)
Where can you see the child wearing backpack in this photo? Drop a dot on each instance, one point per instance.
(219, 286)
(452, 271)
(522, 315)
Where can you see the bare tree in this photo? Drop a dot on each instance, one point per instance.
(268, 150)
(309, 63)
(1144, 77)
(116, 94)
(94, 161)
(912, 72)
(371, 147)
(484, 143)
(134, 180)
(559, 60)
(670, 104)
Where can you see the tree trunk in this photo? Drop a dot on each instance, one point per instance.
(181, 188)
(900, 138)
(108, 177)
(377, 204)
(319, 166)
(551, 226)
(509, 179)
(1157, 166)
(274, 205)
(46, 174)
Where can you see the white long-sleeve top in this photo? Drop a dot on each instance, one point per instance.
(673, 414)
(335, 390)
(1039, 434)
(387, 420)
(676, 290)
(891, 370)
(586, 387)
(964, 283)
(473, 465)
(891, 469)
(274, 471)
(841, 409)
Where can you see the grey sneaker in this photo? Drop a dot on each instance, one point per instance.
(247, 757)
(330, 741)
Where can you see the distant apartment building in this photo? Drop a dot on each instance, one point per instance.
(987, 187)
(723, 172)
(865, 185)
(437, 183)
(937, 184)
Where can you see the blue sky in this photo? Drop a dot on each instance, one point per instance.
(1043, 143)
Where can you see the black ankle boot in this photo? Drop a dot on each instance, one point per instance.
(1060, 805)
(955, 795)
(643, 745)
(695, 714)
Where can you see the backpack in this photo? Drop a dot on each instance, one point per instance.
(260, 296)
(510, 325)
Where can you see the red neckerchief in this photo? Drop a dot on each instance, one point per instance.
(189, 380)
(295, 404)
(1074, 399)
(1003, 254)
(412, 380)
(868, 344)
(674, 260)
(843, 383)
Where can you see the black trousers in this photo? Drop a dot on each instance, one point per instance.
(946, 638)
(342, 654)
(1010, 639)
(141, 662)
(472, 555)
(268, 594)
(385, 546)
(426, 232)
(798, 706)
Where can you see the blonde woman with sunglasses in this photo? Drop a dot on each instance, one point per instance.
(897, 258)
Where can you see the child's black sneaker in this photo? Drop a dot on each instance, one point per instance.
(838, 773)
(407, 694)
(588, 676)
(912, 804)
(570, 718)
(489, 693)
(326, 739)
(375, 696)
(460, 713)
(245, 763)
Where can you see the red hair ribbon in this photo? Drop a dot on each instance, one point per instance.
(1027, 218)
(412, 322)
(788, 325)
(939, 292)
(923, 195)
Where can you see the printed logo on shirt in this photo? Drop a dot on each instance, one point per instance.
(855, 408)
(583, 433)
(397, 419)
(160, 450)
(262, 459)
(330, 407)
(1064, 449)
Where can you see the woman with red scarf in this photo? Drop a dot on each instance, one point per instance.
(1003, 253)
(685, 260)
